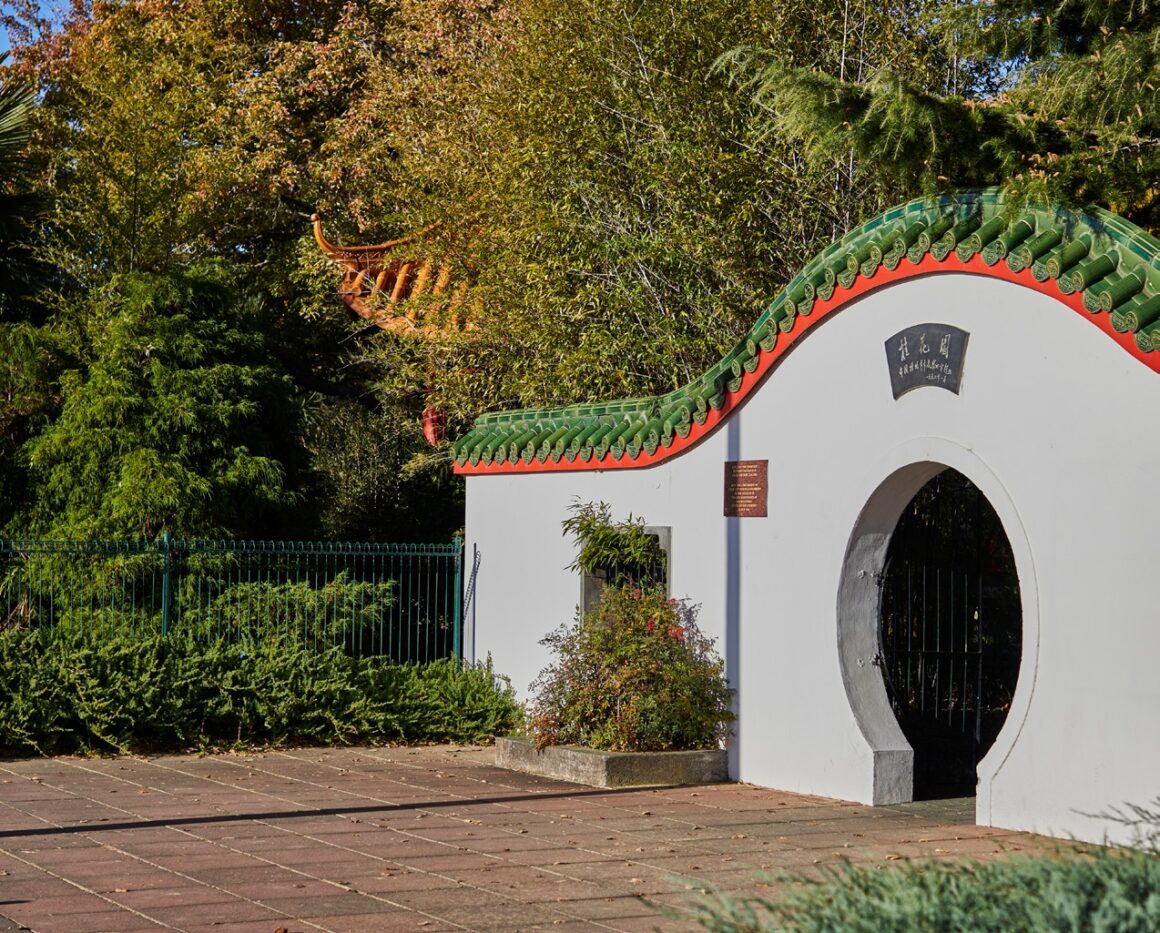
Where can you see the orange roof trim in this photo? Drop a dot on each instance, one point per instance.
(382, 283)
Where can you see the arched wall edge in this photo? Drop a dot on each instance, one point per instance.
(768, 360)
(903, 471)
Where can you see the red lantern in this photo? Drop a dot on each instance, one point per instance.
(434, 425)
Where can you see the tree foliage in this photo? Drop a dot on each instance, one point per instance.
(16, 201)
(624, 219)
(620, 210)
(169, 135)
(1048, 98)
(173, 417)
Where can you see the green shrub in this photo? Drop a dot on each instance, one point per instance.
(68, 691)
(336, 611)
(108, 593)
(1109, 892)
(635, 674)
(623, 552)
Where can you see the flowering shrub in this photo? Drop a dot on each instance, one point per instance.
(635, 674)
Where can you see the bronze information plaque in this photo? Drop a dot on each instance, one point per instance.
(746, 488)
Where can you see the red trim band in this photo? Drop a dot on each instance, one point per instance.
(802, 324)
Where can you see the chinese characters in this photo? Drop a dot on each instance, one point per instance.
(926, 355)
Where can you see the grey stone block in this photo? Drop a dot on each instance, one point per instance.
(612, 769)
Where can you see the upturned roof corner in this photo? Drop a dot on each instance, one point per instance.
(397, 286)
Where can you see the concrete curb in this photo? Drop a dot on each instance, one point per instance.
(612, 769)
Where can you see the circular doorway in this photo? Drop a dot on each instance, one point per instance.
(949, 631)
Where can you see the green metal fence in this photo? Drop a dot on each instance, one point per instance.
(398, 600)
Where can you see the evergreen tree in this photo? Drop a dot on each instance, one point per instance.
(1047, 98)
(16, 201)
(27, 350)
(173, 418)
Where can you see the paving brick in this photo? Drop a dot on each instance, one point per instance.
(324, 905)
(402, 880)
(398, 921)
(604, 908)
(97, 921)
(503, 917)
(424, 840)
(216, 913)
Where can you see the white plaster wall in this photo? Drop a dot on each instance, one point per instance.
(1054, 423)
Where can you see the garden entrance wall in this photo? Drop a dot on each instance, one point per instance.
(1052, 420)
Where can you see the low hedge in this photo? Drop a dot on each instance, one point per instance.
(1108, 892)
(66, 692)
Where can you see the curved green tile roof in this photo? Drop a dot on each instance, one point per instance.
(1093, 260)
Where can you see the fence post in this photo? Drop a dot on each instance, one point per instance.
(457, 598)
(165, 583)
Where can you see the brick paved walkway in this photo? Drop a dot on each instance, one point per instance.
(404, 839)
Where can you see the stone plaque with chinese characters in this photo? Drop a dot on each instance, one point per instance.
(746, 488)
(926, 355)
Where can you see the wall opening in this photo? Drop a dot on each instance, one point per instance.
(653, 575)
(949, 631)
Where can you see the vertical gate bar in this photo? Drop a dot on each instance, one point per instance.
(175, 608)
(249, 588)
(52, 598)
(393, 609)
(457, 603)
(436, 586)
(888, 603)
(966, 645)
(131, 623)
(401, 614)
(371, 559)
(436, 582)
(401, 589)
(312, 575)
(951, 648)
(259, 596)
(165, 583)
(383, 601)
(297, 582)
(979, 672)
(922, 654)
(937, 637)
(909, 629)
(410, 594)
(431, 583)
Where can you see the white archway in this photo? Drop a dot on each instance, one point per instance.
(858, 610)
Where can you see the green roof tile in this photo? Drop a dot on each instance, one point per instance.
(1113, 265)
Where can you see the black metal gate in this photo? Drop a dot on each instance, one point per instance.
(950, 631)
